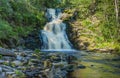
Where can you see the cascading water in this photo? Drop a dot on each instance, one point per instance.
(54, 36)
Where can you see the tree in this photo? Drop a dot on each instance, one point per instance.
(117, 11)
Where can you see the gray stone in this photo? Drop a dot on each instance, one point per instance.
(6, 52)
(10, 73)
(23, 54)
(7, 68)
(19, 57)
(81, 66)
(2, 75)
(17, 63)
(21, 67)
(35, 60)
(13, 76)
(0, 70)
(2, 61)
(60, 64)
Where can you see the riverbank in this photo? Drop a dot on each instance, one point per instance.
(31, 64)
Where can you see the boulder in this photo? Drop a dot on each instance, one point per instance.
(17, 63)
(6, 52)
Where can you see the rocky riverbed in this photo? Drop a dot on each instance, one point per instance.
(35, 64)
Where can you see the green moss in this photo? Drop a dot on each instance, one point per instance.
(0, 56)
(37, 50)
(6, 63)
(19, 74)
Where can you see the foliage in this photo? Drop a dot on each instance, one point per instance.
(6, 31)
(0, 56)
(19, 74)
(19, 18)
(96, 20)
(37, 51)
(23, 31)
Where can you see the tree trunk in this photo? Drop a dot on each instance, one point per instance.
(117, 12)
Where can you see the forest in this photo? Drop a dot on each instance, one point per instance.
(94, 23)
(91, 26)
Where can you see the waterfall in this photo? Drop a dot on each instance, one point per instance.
(54, 36)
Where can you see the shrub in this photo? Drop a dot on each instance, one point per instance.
(6, 31)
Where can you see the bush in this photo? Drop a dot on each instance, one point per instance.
(6, 31)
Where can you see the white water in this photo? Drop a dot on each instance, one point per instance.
(54, 36)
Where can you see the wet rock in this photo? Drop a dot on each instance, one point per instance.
(47, 63)
(33, 73)
(0, 70)
(35, 65)
(75, 63)
(70, 68)
(61, 74)
(29, 74)
(10, 73)
(23, 54)
(117, 66)
(2, 75)
(81, 66)
(64, 73)
(116, 59)
(17, 63)
(47, 70)
(25, 62)
(21, 68)
(7, 69)
(35, 60)
(7, 52)
(14, 76)
(60, 64)
(55, 58)
(7, 58)
(92, 65)
(35, 56)
(2, 61)
(19, 57)
(71, 57)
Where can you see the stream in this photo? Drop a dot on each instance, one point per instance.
(96, 65)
